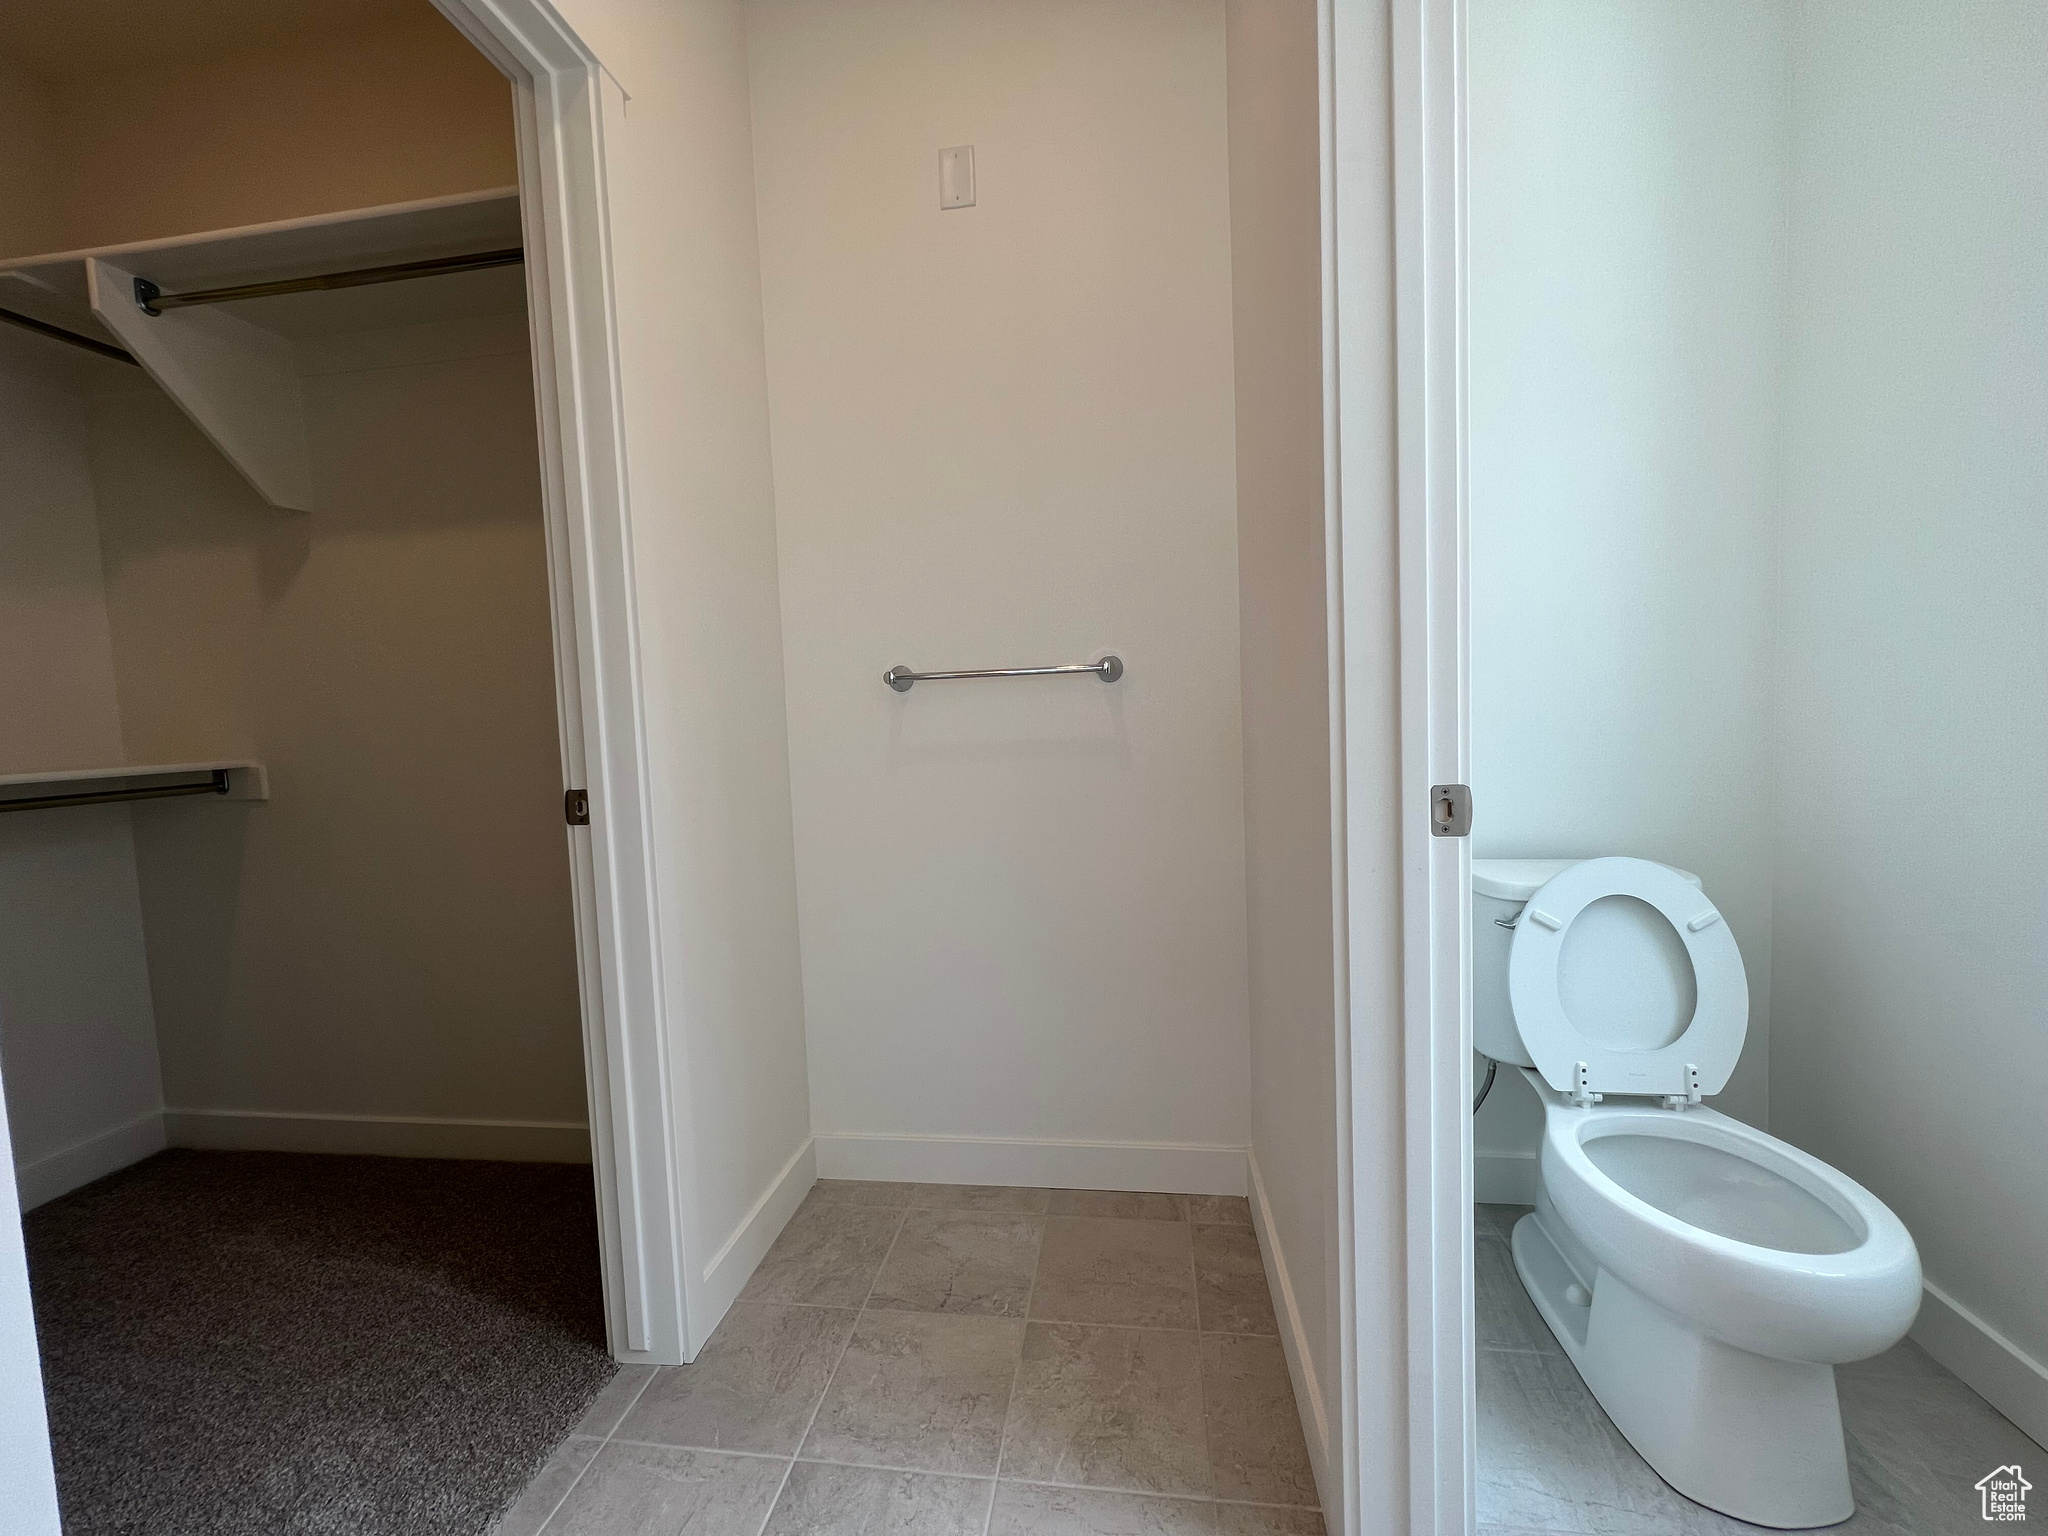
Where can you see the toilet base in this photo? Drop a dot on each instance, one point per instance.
(1755, 1438)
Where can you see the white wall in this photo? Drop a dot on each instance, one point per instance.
(1911, 948)
(1276, 292)
(680, 191)
(1627, 162)
(77, 1037)
(1003, 436)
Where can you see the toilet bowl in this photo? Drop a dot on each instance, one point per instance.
(1704, 1277)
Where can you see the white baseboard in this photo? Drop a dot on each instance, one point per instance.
(1316, 1413)
(2002, 1373)
(252, 1130)
(729, 1269)
(1174, 1168)
(1504, 1178)
(93, 1158)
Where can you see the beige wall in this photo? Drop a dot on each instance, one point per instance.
(77, 1038)
(1276, 289)
(390, 934)
(57, 695)
(1003, 437)
(680, 190)
(347, 114)
(28, 183)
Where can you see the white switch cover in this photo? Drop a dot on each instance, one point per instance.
(956, 177)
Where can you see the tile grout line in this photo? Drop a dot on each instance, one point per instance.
(818, 1407)
(1184, 1219)
(1063, 1322)
(969, 1477)
(602, 1441)
(1016, 1374)
(703, 1450)
(1201, 1361)
(883, 1466)
(1181, 1498)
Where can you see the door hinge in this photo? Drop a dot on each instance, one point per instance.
(576, 807)
(1450, 809)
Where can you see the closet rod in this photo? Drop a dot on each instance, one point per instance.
(58, 333)
(216, 784)
(152, 300)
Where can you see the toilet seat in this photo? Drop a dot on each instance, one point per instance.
(1699, 1059)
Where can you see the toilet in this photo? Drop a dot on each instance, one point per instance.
(1705, 1278)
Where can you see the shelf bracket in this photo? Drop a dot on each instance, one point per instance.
(238, 384)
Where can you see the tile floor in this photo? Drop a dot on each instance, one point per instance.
(1550, 1461)
(951, 1360)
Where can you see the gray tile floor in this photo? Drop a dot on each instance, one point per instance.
(1550, 1461)
(954, 1360)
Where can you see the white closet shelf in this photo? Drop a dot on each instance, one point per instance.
(246, 780)
(455, 225)
(237, 380)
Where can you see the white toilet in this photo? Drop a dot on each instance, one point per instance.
(1705, 1278)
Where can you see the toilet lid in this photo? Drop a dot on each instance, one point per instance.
(1639, 989)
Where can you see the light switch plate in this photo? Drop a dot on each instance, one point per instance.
(956, 177)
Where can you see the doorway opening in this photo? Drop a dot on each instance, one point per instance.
(317, 577)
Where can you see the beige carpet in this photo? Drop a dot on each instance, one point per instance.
(256, 1344)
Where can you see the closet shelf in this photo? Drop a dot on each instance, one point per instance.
(458, 225)
(237, 379)
(55, 788)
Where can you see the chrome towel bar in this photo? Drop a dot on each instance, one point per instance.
(1109, 669)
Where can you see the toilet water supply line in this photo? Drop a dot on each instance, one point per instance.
(1492, 1066)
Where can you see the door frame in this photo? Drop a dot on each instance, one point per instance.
(1428, 40)
(557, 87)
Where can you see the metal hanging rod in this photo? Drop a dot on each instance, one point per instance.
(1109, 669)
(216, 784)
(58, 333)
(152, 300)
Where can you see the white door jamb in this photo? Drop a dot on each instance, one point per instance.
(636, 1153)
(1428, 80)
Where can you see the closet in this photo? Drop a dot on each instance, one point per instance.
(320, 602)
(281, 543)
(282, 831)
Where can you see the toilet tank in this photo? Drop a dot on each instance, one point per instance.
(1500, 889)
